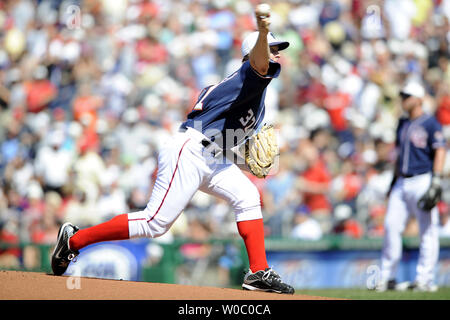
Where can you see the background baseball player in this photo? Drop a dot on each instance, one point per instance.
(416, 189)
(224, 116)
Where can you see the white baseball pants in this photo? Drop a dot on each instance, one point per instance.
(403, 201)
(185, 166)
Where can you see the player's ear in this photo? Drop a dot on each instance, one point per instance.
(419, 101)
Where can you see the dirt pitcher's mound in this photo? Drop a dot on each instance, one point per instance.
(16, 285)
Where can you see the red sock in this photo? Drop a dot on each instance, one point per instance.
(252, 231)
(114, 229)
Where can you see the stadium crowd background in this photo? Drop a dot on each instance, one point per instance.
(89, 92)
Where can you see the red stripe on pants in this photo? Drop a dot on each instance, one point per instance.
(170, 183)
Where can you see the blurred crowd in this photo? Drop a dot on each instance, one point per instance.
(89, 90)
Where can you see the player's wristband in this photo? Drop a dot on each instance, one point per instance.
(436, 179)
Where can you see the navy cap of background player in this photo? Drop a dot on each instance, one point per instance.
(414, 89)
(250, 41)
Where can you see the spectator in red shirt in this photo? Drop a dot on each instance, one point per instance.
(376, 221)
(40, 91)
(347, 184)
(344, 223)
(314, 182)
(315, 92)
(9, 258)
(336, 104)
(85, 110)
(46, 229)
(85, 106)
(149, 50)
(443, 110)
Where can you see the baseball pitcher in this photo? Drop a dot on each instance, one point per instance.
(416, 189)
(227, 115)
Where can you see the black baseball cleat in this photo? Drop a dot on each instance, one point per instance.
(62, 255)
(266, 280)
(383, 286)
(417, 287)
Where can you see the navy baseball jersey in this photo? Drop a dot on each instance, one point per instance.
(416, 141)
(229, 111)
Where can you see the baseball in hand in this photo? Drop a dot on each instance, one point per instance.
(263, 10)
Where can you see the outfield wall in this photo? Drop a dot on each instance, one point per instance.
(337, 262)
(333, 262)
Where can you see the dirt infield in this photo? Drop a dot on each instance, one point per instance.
(16, 285)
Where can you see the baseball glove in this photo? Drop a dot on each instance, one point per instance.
(433, 195)
(260, 151)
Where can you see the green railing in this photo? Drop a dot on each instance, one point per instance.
(165, 270)
(42, 252)
(341, 243)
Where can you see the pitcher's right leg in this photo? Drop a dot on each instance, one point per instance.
(229, 183)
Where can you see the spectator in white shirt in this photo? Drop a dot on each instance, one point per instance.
(306, 228)
(53, 164)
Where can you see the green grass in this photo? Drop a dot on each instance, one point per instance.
(362, 294)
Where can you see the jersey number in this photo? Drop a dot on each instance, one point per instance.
(248, 121)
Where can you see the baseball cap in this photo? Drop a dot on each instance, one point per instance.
(414, 89)
(250, 41)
